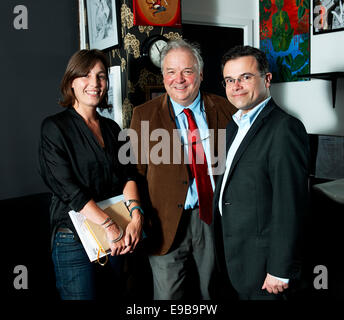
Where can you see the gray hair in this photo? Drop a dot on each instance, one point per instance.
(183, 44)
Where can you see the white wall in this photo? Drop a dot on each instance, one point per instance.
(310, 101)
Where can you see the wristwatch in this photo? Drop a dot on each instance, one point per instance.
(129, 202)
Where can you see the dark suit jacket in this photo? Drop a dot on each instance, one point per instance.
(264, 200)
(168, 183)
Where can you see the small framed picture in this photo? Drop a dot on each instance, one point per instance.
(154, 91)
(102, 23)
(328, 16)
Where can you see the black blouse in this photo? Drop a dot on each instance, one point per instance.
(76, 168)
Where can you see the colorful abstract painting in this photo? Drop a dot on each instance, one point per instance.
(284, 37)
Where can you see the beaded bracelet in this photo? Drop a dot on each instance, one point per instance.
(133, 208)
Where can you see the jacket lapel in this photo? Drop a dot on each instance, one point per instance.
(231, 132)
(168, 123)
(167, 116)
(210, 111)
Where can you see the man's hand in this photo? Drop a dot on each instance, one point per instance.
(133, 233)
(273, 285)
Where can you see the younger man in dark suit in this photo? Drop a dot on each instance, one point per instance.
(261, 198)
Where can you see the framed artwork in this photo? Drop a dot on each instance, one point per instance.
(157, 13)
(102, 23)
(154, 91)
(285, 38)
(82, 25)
(328, 16)
(114, 97)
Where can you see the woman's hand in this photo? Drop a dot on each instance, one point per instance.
(133, 232)
(112, 233)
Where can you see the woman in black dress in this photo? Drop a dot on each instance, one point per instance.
(79, 162)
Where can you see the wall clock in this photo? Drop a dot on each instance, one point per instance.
(151, 49)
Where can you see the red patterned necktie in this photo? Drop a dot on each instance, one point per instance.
(199, 169)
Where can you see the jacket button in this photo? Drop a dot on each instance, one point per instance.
(180, 206)
(227, 203)
(185, 182)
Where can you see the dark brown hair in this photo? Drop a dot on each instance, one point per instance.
(243, 51)
(79, 65)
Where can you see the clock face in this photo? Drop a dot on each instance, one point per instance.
(155, 50)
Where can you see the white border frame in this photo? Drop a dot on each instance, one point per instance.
(114, 96)
(82, 24)
(110, 41)
(223, 21)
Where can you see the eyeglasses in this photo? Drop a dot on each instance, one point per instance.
(244, 78)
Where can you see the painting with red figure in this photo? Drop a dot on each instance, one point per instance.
(157, 13)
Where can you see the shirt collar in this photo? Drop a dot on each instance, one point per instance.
(178, 109)
(250, 116)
